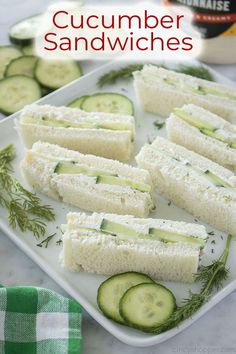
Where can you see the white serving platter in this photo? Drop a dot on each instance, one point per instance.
(83, 286)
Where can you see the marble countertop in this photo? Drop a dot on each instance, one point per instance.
(213, 333)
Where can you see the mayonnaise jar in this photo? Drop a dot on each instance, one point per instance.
(215, 20)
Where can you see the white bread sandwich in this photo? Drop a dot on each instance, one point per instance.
(87, 181)
(192, 182)
(205, 133)
(110, 244)
(160, 91)
(104, 134)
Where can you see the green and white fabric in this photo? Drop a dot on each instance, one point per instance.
(38, 321)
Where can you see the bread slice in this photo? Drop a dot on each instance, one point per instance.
(181, 132)
(160, 91)
(189, 187)
(115, 141)
(38, 168)
(87, 248)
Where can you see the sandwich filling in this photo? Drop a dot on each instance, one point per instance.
(65, 167)
(168, 78)
(198, 89)
(217, 181)
(85, 123)
(206, 128)
(129, 232)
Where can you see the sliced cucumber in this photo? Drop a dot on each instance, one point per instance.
(24, 32)
(119, 181)
(77, 102)
(66, 167)
(54, 74)
(120, 230)
(86, 124)
(194, 121)
(109, 102)
(7, 53)
(29, 50)
(217, 181)
(168, 236)
(147, 306)
(16, 92)
(23, 65)
(111, 291)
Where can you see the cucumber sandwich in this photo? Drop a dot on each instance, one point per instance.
(191, 181)
(104, 134)
(205, 133)
(161, 90)
(109, 244)
(87, 181)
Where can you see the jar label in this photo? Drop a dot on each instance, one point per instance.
(211, 17)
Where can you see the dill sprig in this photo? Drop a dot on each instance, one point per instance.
(198, 71)
(211, 277)
(126, 73)
(25, 210)
(46, 241)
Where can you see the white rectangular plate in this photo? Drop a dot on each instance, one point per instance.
(83, 286)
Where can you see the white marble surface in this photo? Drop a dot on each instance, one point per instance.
(214, 333)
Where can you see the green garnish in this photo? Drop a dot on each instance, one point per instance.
(59, 242)
(158, 124)
(197, 71)
(126, 73)
(24, 207)
(211, 277)
(46, 241)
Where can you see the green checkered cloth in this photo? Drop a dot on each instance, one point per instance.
(38, 321)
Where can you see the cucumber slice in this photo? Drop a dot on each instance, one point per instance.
(29, 50)
(77, 103)
(194, 121)
(119, 181)
(217, 181)
(218, 136)
(109, 102)
(7, 53)
(111, 291)
(168, 236)
(16, 92)
(23, 65)
(54, 74)
(120, 230)
(147, 306)
(24, 32)
(66, 167)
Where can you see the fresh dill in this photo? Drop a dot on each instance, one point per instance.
(197, 71)
(211, 233)
(25, 210)
(211, 277)
(159, 125)
(46, 241)
(126, 73)
(59, 242)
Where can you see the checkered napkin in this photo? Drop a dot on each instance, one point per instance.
(38, 321)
